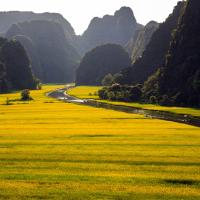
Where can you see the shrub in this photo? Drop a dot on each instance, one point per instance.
(115, 87)
(39, 86)
(153, 100)
(107, 80)
(135, 93)
(117, 78)
(102, 93)
(25, 95)
(111, 96)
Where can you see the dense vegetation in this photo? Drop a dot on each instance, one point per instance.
(110, 58)
(118, 92)
(15, 69)
(154, 55)
(53, 58)
(179, 80)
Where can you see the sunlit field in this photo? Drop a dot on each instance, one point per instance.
(55, 150)
(90, 92)
(85, 92)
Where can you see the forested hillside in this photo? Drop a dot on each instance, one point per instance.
(179, 79)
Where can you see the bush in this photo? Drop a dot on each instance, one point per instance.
(107, 80)
(118, 92)
(39, 86)
(25, 95)
(153, 100)
(117, 78)
(115, 87)
(103, 93)
(111, 96)
(135, 93)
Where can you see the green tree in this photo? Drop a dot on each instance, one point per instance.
(117, 78)
(25, 95)
(107, 80)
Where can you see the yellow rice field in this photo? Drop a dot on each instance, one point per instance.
(55, 150)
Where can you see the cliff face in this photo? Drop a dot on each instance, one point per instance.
(15, 69)
(180, 78)
(117, 29)
(52, 56)
(110, 58)
(142, 40)
(154, 55)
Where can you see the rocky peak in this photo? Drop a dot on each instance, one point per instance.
(126, 13)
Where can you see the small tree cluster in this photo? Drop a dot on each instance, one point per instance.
(118, 92)
(25, 95)
(110, 79)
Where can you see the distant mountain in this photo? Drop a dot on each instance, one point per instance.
(116, 29)
(154, 55)
(34, 57)
(109, 58)
(179, 79)
(138, 43)
(52, 56)
(7, 19)
(15, 69)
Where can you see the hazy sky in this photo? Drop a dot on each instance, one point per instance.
(80, 12)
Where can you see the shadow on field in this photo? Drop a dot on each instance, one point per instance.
(92, 136)
(181, 182)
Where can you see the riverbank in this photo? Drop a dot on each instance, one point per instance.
(61, 94)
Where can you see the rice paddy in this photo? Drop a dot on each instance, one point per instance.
(55, 150)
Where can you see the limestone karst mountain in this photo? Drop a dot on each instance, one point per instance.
(52, 56)
(15, 68)
(179, 79)
(116, 29)
(97, 63)
(7, 19)
(154, 55)
(141, 39)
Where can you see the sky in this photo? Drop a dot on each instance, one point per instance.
(80, 12)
